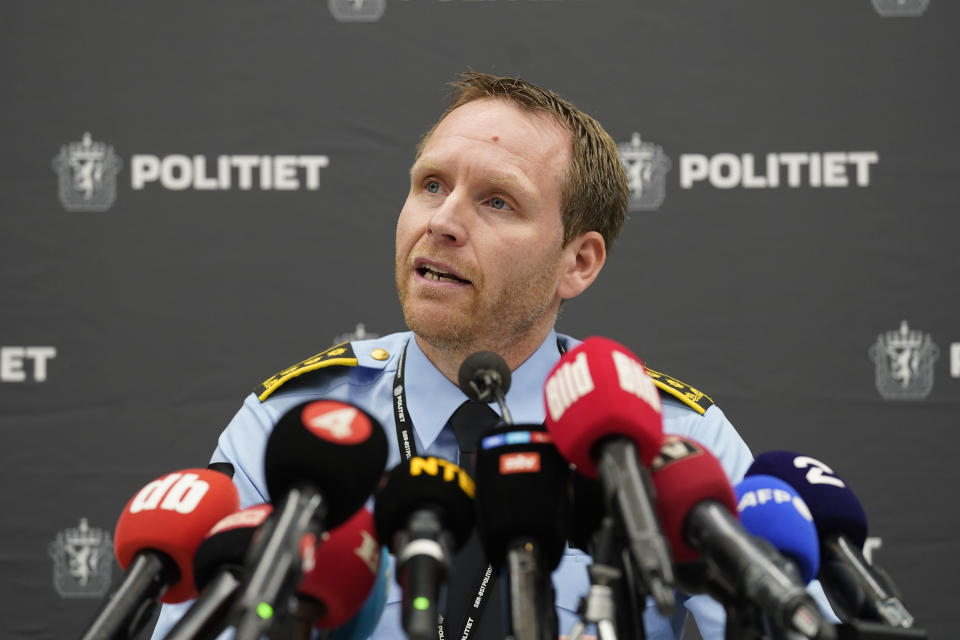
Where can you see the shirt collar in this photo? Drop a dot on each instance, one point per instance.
(431, 398)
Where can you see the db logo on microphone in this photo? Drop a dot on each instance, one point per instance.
(337, 422)
(519, 463)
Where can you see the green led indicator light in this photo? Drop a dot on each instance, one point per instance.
(265, 611)
(421, 603)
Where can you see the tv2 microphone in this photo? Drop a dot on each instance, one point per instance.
(322, 460)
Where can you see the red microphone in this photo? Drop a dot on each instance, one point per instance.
(340, 570)
(156, 537)
(698, 511)
(603, 412)
(601, 390)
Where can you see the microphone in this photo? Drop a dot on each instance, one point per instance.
(218, 567)
(342, 569)
(770, 509)
(697, 510)
(603, 412)
(484, 376)
(522, 518)
(856, 589)
(363, 624)
(322, 460)
(157, 534)
(424, 512)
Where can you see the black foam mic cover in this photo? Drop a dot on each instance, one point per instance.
(425, 483)
(586, 509)
(225, 547)
(522, 491)
(481, 373)
(335, 447)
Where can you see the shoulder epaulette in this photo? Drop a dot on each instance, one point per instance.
(341, 354)
(696, 400)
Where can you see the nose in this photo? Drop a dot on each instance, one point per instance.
(448, 222)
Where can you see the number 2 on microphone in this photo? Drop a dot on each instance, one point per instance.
(819, 473)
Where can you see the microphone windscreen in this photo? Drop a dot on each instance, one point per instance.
(362, 625)
(685, 474)
(335, 447)
(341, 568)
(172, 515)
(598, 390)
(835, 508)
(476, 367)
(425, 483)
(226, 544)
(587, 509)
(522, 491)
(773, 510)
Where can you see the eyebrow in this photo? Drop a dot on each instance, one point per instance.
(427, 165)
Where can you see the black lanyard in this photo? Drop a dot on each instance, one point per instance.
(408, 449)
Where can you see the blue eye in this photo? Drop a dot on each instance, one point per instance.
(433, 186)
(498, 203)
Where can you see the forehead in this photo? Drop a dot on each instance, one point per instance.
(497, 125)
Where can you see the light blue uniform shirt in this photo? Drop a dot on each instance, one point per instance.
(431, 399)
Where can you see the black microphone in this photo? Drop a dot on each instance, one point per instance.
(856, 589)
(485, 377)
(522, 518)
(424, 512)
(218, 567)
(322, 460)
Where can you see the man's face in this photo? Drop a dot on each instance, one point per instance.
(479, 238)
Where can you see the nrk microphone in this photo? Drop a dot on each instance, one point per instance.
(322, 460)
(363, 624)
(424, 512)
(522, 517)
(218, 568)
(773, 510)
(603, 412)
(157, 534)
(855, 588)
(485, 377)
(697, 510)
(341, 571)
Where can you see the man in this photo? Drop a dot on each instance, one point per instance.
(515, 197)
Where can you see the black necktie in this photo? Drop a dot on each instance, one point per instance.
(469, 422)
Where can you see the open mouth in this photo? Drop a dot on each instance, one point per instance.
(432, 272)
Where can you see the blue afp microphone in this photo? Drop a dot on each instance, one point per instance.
(773, 510)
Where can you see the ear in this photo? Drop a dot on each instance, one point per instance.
(582, 260)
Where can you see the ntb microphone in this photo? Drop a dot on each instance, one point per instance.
(603, 412)
(697, 510)
(855, 588)
(424, 512)
(522, 517)
(156, 537)
(322, 460)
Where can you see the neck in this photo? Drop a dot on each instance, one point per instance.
(448, 360)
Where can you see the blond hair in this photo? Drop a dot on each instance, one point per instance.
(594, 189)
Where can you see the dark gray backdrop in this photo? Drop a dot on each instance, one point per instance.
(131, 333)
